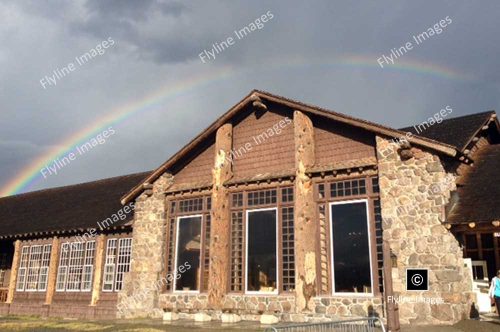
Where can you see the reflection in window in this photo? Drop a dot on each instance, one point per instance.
(351, 250)
(261, 251)
(188, 253)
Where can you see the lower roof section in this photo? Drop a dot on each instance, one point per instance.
(479, 196)
(75, 207)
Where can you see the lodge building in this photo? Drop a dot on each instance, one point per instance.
(291, 227)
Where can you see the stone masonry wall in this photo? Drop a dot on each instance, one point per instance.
(414, 193)
(251, 307)
(139, 297)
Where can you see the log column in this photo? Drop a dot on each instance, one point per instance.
(220, 222)
(51, 282)
(305, 214)
(14, 270)
(99, 260)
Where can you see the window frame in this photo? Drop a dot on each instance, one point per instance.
(33, 260)
(176, 253)
(284, 199)
(31, 264)
(88, 252)
(183, 206)
(66, 256)
(25, 254)
(71, 266)
(119, 264)
(370, 252)
(44, 266)
(64, 251)
(278, 283)
(322, 194)
(113, 265)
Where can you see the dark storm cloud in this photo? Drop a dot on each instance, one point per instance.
(133, 10)
(126, 20)
(296, 54)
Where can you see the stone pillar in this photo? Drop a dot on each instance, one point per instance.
(54, 260)
(413, 194)
(13, 273)
(305, 214)
(220, 227)
(98, 266)
(139, 296)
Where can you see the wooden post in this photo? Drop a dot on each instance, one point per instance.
(14, 270)
(391, 305)
(305, 214)
(99, 260)
(54, 260)
(220, 227)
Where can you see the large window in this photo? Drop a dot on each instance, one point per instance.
(262, 241)
(34, 268)
(351, 255)
(261, 249)
(117, 263)
(349, 235)
(188, 249)
(75, 269)
(188, 254)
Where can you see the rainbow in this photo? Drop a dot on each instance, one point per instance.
(31, 175)
(404, 64)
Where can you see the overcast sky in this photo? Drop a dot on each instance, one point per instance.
(300, 53)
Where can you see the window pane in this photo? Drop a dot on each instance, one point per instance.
(471, 241)
(75, 266)
(109, 267)
(489, 257)
(487, 241)
(188, 253)
(44, 270)
(21, 278)
(261, 251)
(35, 259)
(123, 264)
(351, 252)
(62, 269)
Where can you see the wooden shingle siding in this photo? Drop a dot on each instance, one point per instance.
(336, 142)
(199, 169)
(274, 154)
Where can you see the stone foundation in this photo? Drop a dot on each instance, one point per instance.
(251, 308)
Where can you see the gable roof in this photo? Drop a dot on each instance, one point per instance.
(458, 131)
(478, 197)
(294, 105)
(69, 208)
